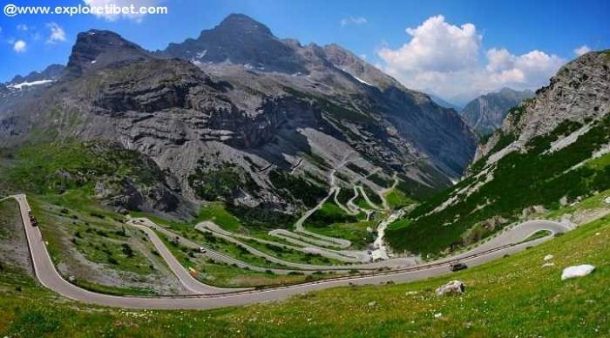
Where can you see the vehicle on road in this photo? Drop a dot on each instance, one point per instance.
(33, 220)
(458, 266)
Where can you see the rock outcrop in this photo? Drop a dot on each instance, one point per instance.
(454, 287)
(578, 92)
(577, 271)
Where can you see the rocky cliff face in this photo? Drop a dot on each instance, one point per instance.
(486, 113)
(237, 104)
(337, 75)
(578, 92)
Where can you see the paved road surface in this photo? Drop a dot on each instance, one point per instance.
(188, 281)
(50, 278)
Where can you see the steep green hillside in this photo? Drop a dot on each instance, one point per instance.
(57, 167)
(513, 296)
(536, 177)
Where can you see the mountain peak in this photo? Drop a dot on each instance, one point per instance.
(486, 113)
(242, 24)
(239, 39)
(506, 90)
(98, 48)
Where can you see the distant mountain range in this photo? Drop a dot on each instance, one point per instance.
(486, 113)
(52, 73)
(239, 115)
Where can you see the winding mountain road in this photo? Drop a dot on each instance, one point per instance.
(330, 241)
(188, 281)
(233, 238)
(49, 277)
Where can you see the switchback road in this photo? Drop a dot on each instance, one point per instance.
(49, 277)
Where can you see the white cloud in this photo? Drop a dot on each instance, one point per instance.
(436, 46)
(353, 21)
(499, 60)
(22, 27)
(120, 4)
(20, 46)
(57, 33)
(582, 50)
(445, 60)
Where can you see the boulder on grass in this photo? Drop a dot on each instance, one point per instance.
(453, 287)
(577, 271)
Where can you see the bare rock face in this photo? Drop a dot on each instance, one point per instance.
(335, 74)
(578, 92)
(358, 68)
(455, 287)
(532, 210)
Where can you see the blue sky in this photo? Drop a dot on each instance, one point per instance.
(451, 44)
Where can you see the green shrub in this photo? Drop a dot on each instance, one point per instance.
(295, 188)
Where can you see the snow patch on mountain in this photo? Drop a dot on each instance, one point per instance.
(21, 85)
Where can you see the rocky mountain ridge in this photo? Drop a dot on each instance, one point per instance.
(486, 113)
(578, 92)
(52, 72)
(234, 114)
(443, 103)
